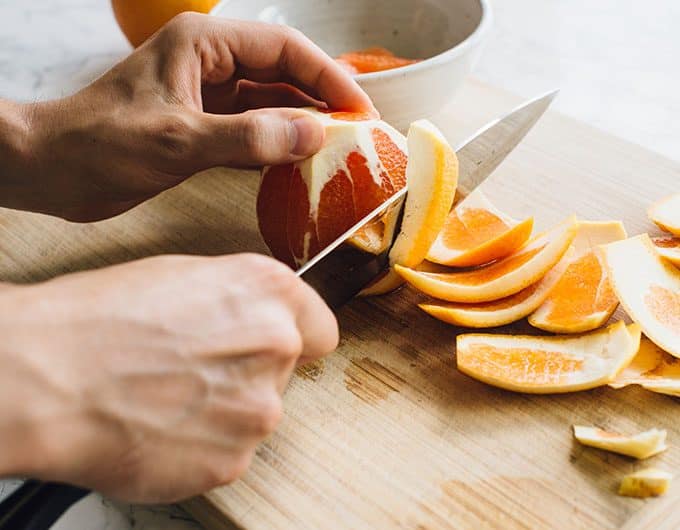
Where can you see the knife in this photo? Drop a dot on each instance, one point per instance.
(340, 271)
(337, 273)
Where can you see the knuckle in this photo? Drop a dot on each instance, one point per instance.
(173, 136)
(267, 415)
(283, 338)
(233, 469)
(253, 136)
(293, 33)
(183, 21)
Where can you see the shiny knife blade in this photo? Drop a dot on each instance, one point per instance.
(340, 271)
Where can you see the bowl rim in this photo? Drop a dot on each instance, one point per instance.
(459, 49)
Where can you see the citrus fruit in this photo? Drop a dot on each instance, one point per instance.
(499, 312)
(649, 482)
(374, 59)
(432, 177)
(476, 232)
(583, 299)
(642, 445)
(502, 278)
(668, 248)
(648, 288)
(544, 365)
(302, 207)
(653, 369)
(139, 19)
(666, 214)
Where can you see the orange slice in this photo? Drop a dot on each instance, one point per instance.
(501, 279)
(648, 288)
(668, 248)
(432, 177)
(653, 369)
(666, 214)
(544, 365)
(642, 445)
(583, 299)
(503, 311)
(476, 233)
(649, 482)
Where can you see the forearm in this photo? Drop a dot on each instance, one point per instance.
(15, 154)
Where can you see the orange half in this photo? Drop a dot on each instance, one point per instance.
(666, 214)
(544, 365)
(583, 299)
(668, 248)
(501, 279)
(648, 288)
(476, 232)
(653, 369)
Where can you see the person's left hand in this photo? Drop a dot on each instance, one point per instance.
(176, 106)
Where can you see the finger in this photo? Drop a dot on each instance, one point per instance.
(260, 46)
(224, 99)
(317, 325)
(259, 137)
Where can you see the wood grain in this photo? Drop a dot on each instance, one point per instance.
(385, 433)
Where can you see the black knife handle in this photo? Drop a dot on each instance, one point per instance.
(37, 505)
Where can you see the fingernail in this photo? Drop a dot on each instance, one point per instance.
(308, 136)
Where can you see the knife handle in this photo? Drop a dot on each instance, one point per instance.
(37, 505)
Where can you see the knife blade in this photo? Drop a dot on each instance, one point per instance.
(340, 271)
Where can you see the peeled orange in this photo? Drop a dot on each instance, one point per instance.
(666, 214)
(432, 177)
(476, 232)
(652, 369)
(648, 288)
(583, 299)
(642, 445)
(503, 311)
(545, 365)
(139, 19)
(305, 206)
(668, 248)
(502, 278)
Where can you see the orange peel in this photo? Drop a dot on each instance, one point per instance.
(666, 214)
(640, 446)
(668, 248)
(544, 365)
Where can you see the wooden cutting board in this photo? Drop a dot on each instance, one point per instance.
(385, 433)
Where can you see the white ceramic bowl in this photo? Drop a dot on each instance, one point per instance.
(447, 34)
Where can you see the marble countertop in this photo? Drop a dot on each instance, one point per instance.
(612, 58)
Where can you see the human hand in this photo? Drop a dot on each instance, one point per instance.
(152, 381)
(178, 105)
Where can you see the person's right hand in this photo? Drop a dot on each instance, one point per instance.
(152, 381)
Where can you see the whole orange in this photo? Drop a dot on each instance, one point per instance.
(139, 19)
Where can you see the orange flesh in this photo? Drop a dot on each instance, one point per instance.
(582, 291)
(344, 200)
(521, 365)
(348, 116)
(475, 227)
(490, 272)
(372, 60)
(665, 306)
(607, 434)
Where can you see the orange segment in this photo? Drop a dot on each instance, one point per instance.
(668, 248)
(501, 279)
(648, 288)
(476, 233)
(499, 312)
(432, 174)
(653, 369)
(666, 214)
(372, 60)
(583, 299)
(544, 365)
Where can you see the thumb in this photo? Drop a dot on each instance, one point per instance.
(261, 137)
